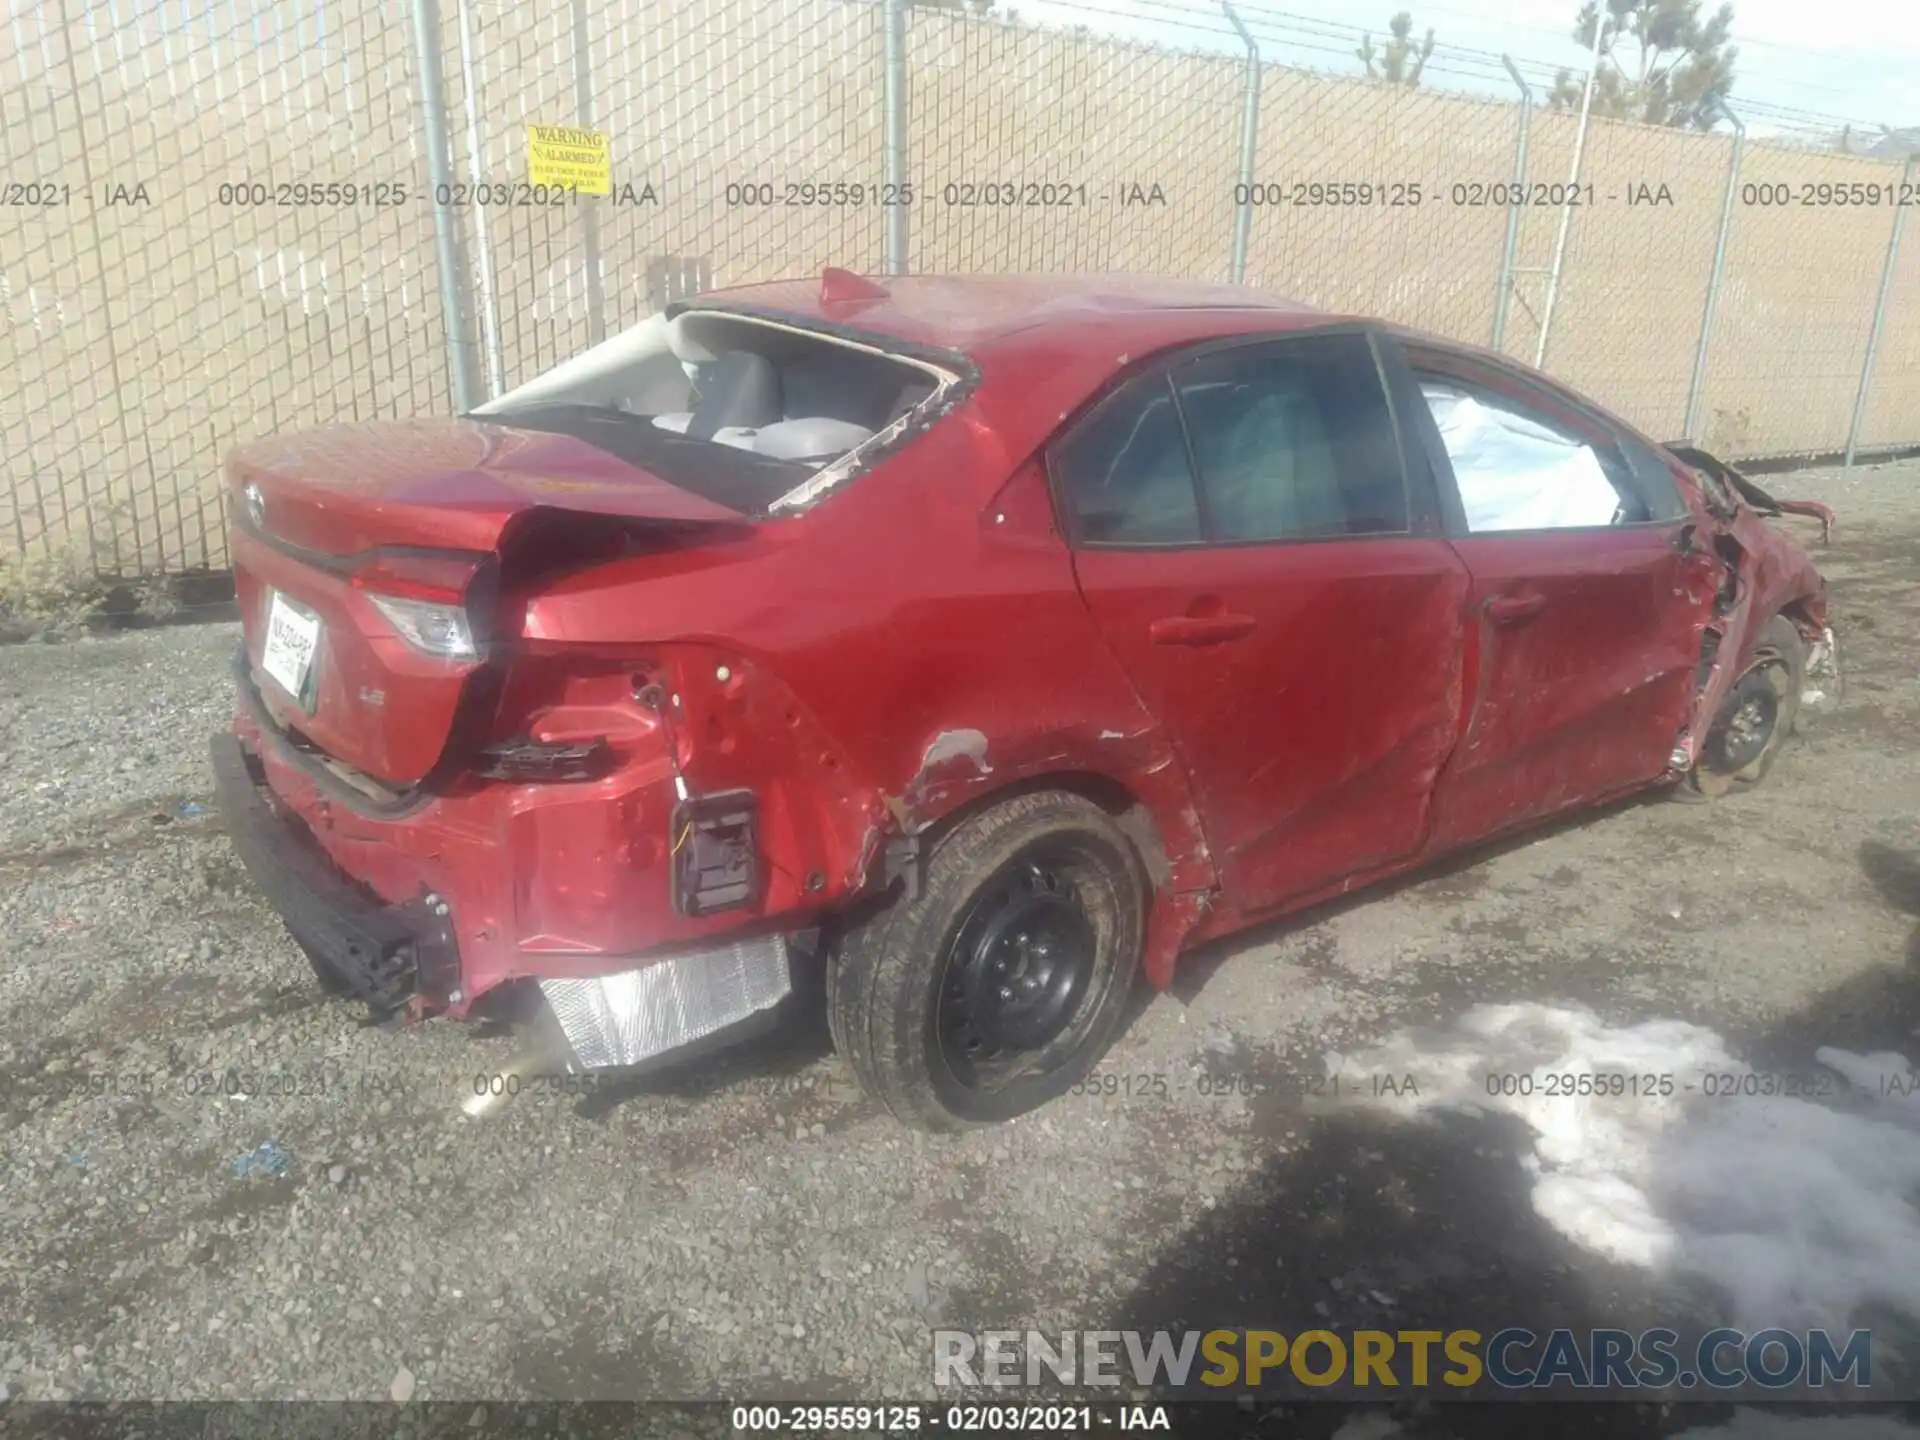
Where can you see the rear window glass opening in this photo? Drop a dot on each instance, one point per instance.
(746, 412)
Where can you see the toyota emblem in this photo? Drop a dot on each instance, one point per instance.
(256, 506)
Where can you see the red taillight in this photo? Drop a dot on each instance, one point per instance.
(425, 598)
(438, 579)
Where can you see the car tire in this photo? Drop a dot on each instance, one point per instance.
(1757, 715)
(1002, 982)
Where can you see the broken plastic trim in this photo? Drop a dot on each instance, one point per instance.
(904, 858)
(1765, 504)
(1822, 683)
(527, 759)
(954, 375)
(1761, 502)
(716, 862)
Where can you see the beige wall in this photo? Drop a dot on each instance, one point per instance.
(141, 342)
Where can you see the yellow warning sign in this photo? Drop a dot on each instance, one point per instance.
(571, 159)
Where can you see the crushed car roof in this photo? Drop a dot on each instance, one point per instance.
(968, 312)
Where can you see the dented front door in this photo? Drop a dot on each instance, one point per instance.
(1582, 653)
(1584, 621)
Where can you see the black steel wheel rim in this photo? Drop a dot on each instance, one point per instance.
(1018, 970)
(1745, 726)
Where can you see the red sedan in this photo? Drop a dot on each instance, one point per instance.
(990, 640)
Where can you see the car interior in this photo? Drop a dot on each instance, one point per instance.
(1289, 447)
(774, 390)
(1526, 459)
(1285, 445)
(1128, 473)
(1517, 472)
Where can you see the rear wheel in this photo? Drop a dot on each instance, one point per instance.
(1757, 715)
(1001, 984)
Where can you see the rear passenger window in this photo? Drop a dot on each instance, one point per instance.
(1124, 470)
(1294, 441)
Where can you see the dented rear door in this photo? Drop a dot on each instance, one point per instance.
(1249, 545)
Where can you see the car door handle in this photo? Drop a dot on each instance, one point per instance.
(1199, 629)
(1512, 609)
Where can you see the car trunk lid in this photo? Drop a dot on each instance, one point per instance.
(369, 563)
(445, 484)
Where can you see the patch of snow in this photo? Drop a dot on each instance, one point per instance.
(1800, 1208)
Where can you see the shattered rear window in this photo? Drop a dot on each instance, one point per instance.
(725, 474)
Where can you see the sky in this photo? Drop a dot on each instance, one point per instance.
(1857, 60)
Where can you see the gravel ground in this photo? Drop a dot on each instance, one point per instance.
(752, 1225)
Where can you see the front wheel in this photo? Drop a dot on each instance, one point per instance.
(1002, 983)
(1757, 716)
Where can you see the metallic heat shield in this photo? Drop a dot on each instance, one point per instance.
(634, 1015)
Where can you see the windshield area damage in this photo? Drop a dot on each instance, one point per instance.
(748, 410)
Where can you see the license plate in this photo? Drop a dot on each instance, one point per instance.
(293, 637)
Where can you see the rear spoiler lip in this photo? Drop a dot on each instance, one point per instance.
(1762, 502)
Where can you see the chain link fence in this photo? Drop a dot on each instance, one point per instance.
(1638, 264)
(223, 220)
(1890, 412)
(712, 111)
(179, 267)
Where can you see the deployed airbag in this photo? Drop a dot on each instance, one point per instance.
(1515, 474)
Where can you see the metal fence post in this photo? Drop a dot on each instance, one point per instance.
(482, 228)
(1695, 391)
(1249, 146)
(454, 314)
(893, 99)
(590, 208)
(1501, 300)
(1880, 310)
(1573, 186)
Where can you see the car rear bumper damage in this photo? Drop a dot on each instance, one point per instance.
(374, 951)
(405, 956)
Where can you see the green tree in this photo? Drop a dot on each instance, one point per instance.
(1660, 60)
(1401, 61)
